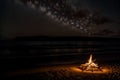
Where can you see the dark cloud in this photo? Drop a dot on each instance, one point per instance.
(104, 32)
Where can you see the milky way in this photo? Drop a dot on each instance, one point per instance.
(62, 11)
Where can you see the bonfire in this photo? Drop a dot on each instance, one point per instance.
(90, 66)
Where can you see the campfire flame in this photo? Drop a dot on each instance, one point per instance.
(91, 63)
(90, 59)
(90, 66)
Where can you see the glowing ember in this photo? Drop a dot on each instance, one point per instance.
(90, 66)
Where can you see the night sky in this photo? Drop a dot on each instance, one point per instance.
(20, 20)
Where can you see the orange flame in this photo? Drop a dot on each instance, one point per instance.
(90, 61)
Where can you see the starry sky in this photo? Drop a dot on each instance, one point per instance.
(19, 20)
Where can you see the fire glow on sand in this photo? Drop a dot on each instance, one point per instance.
(91, 67)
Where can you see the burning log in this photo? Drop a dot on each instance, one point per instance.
(90, 66)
